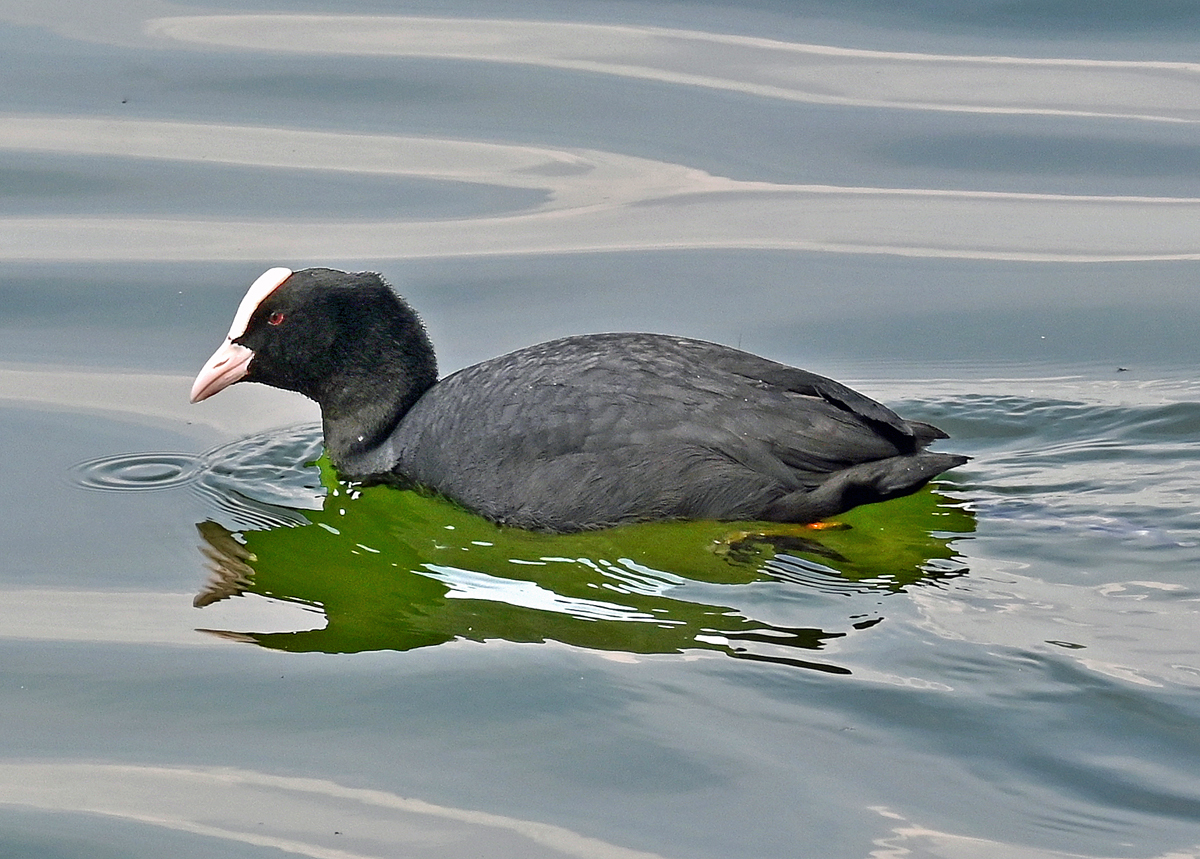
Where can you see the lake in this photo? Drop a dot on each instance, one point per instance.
(984, 214)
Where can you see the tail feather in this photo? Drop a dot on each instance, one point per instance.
(924, 434)
(865, 483)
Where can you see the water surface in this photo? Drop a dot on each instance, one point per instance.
(983, 214)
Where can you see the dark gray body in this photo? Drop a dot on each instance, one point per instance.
(599, 430)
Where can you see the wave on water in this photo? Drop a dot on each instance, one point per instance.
(261, 481)
(1120, 459)
(580, 200)
(1065, 456)
(1052, 476)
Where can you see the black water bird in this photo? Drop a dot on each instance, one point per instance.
(584, 432)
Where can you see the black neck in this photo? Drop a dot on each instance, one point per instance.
(356, 421)
(362, 405)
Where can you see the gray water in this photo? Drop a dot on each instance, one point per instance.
(984, 214)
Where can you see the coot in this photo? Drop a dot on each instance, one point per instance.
(583, 432)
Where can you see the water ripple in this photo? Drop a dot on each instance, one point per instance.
(579, 200)
(138, 472)
(1148, 91)
(1079, 467)
(261, 481)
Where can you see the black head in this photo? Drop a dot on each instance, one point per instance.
(345, 340)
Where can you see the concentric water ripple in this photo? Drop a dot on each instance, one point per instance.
(261, 481)
(273, 467)
(138, 472)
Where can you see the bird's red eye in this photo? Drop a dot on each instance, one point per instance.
(275, 318)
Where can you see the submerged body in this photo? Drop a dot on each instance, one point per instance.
(583, 432)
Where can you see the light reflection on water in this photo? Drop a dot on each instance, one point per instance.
(610, 201)
(304, 813)
(821, 74)
(1007, 667)
(604, 202)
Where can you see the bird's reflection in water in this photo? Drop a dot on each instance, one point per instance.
(398, 570)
